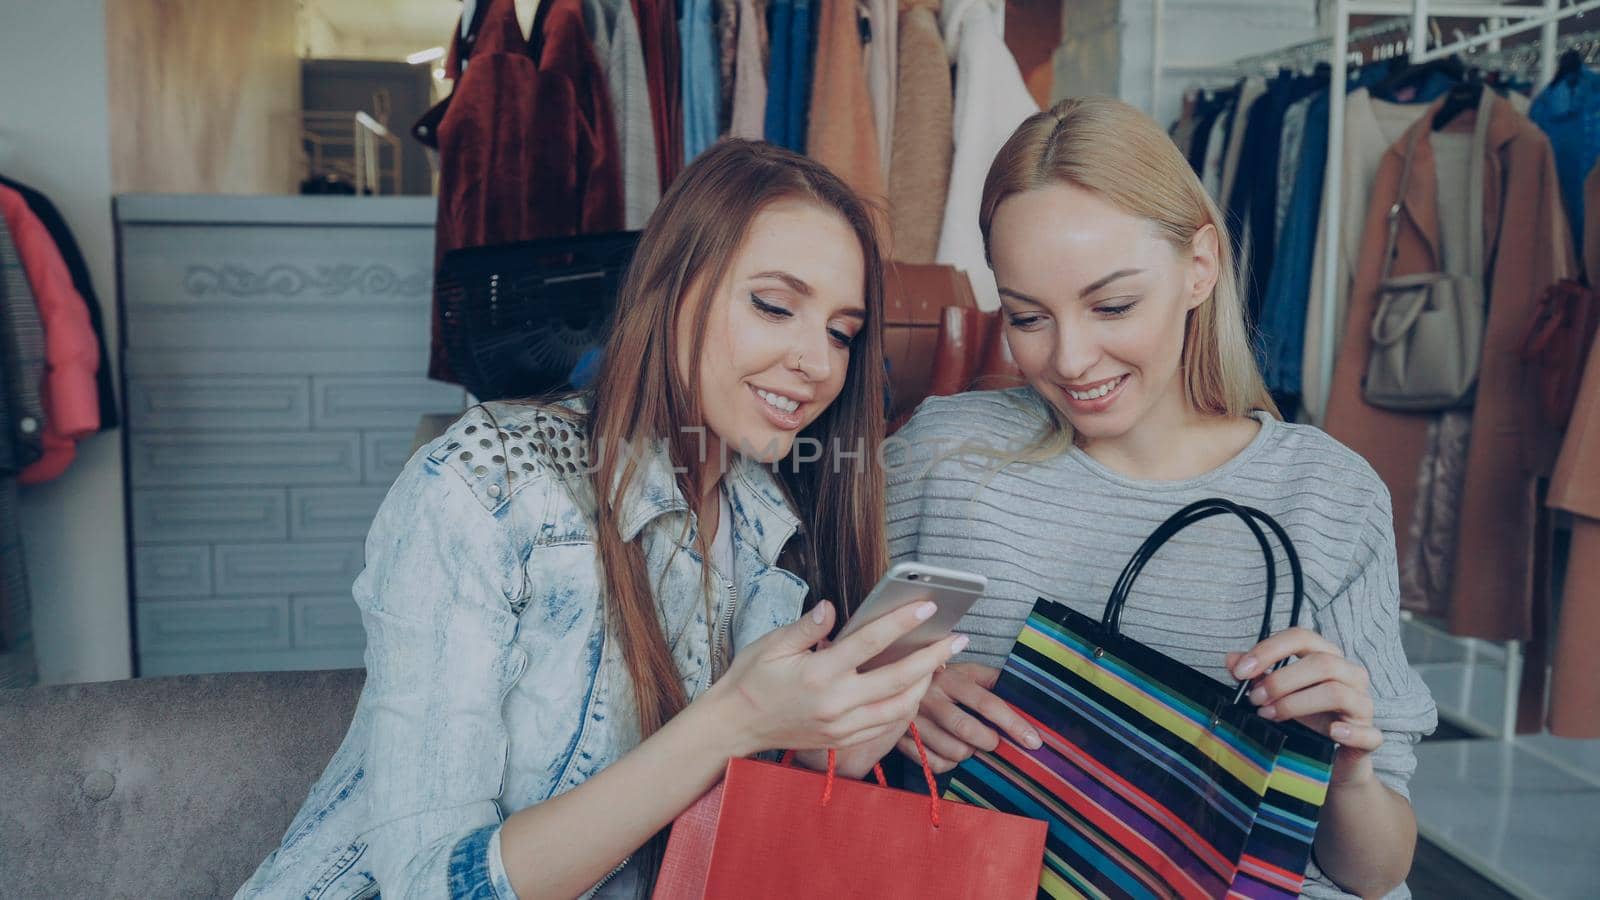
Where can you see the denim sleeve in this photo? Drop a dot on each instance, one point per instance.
(477, 871)
(435, 597)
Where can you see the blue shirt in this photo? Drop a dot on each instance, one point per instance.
(701, 80)
(789, 77)
(1568, 111)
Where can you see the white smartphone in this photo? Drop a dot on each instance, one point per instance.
(912, 582)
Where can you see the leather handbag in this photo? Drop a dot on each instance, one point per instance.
(1557, 346)
(915, 299)
(1427, 333)
(969, 354)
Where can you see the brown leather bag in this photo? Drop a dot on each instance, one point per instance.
(1427, 333)
(1557, 346)
(970, 354)
(915, 298)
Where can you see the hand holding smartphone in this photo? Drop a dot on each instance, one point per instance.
(952, 591)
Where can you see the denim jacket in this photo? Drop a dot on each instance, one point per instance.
(492, 683)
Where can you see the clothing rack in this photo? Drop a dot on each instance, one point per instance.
(1307, 53)
(1411, 18)
(1303, 56)
(1547, 19)
(1523, 57)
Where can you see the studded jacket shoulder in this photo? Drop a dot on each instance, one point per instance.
(493, 683)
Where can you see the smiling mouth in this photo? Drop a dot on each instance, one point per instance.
(785, 405)
(1096, 393)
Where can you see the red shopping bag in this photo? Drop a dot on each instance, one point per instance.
(774, 831)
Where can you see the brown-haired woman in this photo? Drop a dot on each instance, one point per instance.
(575, 611)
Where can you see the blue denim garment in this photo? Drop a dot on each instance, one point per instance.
(492, 683)
(1280, 338)
(802, 38)
(701, 79)
(780, 19)
(1205, 116)
(1254, 201)
(791, 27)
(1568, 112)
(1281, 333)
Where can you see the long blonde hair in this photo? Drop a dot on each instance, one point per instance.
(1118, 153)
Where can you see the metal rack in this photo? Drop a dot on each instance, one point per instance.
(1412, 18)
(1524, 57)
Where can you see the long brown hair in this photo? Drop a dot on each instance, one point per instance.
(1113, 150)
(644, 397)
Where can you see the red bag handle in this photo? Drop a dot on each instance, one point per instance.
(877, 771)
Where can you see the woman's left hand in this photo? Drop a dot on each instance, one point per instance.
(1321, 689)
(855, 761)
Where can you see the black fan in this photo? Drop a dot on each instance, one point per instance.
(515, 318)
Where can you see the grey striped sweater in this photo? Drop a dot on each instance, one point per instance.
(1064, 528)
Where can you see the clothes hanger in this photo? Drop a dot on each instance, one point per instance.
(1406, 74)
(1462, 97)
(527, 10)
(1570, 67)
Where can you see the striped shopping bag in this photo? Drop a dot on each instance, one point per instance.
(1155, 780)
(1279, 847)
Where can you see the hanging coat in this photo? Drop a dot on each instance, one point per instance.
(22, 363)
(701, 86)
(991, 101)
(842, 133)
(1575, 487)
(749, 114)
(1528, 247)
(881, 20)
(22, 420)
(72, 351)
(919, 171)
(67, 244)
(617, 46)
(658, 32)
(527, 146)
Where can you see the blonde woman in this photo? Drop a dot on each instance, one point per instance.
(1121, 306)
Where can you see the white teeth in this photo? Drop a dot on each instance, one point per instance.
(782, 404)
(1097, 393)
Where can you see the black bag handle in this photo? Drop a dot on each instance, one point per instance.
(1199, 511)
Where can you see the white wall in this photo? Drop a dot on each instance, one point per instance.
(1204, 31)
(54, 137)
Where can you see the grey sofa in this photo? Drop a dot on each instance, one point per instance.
(160, 787)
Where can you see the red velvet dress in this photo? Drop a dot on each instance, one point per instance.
(527, 146)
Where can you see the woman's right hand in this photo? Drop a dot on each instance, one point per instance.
(950, 732)
(783, 693)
